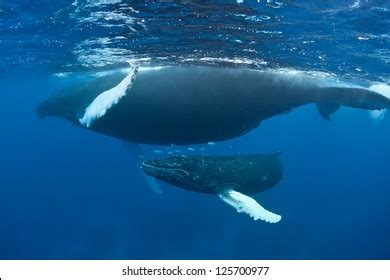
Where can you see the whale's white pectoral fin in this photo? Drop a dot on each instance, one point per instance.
(248, 205)
(152, 183)
(107, 99)
(136, 151)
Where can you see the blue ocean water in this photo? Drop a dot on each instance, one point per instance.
(67, 193)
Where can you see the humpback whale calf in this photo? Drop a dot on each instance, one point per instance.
(232, 178)
(196, 104)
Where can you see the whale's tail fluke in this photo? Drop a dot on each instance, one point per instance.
(384, 89)
(331, 99)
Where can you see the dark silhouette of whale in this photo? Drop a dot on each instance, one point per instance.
(195, 104)
(230, 177)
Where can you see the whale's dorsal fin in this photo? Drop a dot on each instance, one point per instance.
(326, 109)
(248, 205)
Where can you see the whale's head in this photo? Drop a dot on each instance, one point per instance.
(60, 105)
(71, 102)
(179, 171)
(51, 107)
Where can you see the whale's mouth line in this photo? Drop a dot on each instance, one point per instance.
(161, 168)
(165, 173)
(147, 165)
(156, 169)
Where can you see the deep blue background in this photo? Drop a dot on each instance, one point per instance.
(70, 193)
(67, 193)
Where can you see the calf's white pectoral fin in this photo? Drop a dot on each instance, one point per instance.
(248, 205)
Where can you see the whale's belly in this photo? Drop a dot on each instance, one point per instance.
(183, 108)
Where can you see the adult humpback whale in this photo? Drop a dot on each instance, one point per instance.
(195, 104)
(232, 178)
